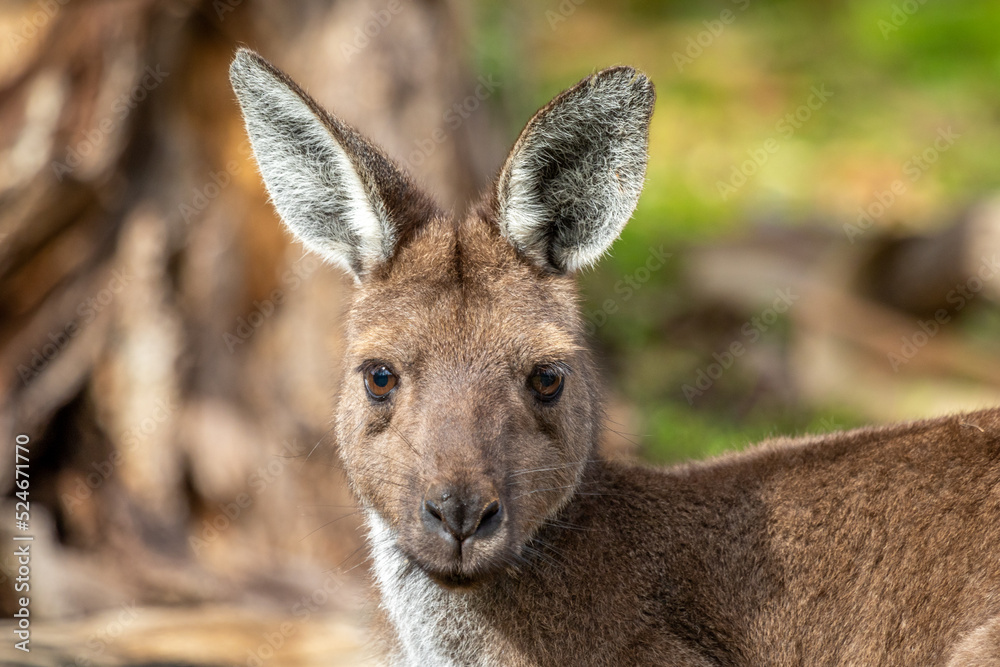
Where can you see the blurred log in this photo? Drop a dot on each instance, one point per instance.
(918, 274)
(912, 274)
(875, 323)
(211, 635)
(170, 353)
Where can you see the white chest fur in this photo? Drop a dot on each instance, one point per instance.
(436, 628)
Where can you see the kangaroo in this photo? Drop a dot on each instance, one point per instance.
(469, 412)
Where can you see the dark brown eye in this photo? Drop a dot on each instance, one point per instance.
(546, 382)
(380, 381)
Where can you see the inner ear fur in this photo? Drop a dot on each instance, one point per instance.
(574, 176)
(333, 188)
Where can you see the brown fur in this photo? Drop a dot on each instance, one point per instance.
(873, 547)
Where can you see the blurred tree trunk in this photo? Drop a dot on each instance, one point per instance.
(171, 355)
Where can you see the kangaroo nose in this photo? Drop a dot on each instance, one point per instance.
(461, 514)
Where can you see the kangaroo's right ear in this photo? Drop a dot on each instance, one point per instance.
(335, 190)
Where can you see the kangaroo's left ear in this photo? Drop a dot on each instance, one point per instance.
(574, 176)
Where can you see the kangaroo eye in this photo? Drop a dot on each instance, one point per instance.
(546, 382)
(380, 381)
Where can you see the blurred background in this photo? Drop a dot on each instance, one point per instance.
(817, 248)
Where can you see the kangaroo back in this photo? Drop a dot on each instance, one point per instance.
(469, 409)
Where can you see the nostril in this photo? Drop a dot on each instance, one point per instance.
(489, 518)
(491, 511)
(433, 510)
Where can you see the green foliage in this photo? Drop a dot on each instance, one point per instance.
(899, 71)
(678, 434)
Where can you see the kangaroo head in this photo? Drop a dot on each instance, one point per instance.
(468, 405)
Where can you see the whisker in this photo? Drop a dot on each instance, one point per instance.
(318, 443)
(548, 468)
(408, 443)
(328, 523)
(628, 437)
(556, 523)
(537, 553)
(552, 488)
(359, 563)
(337, 568)
(612, 421)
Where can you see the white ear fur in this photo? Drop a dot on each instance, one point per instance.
(574, 176)
(305, 158)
